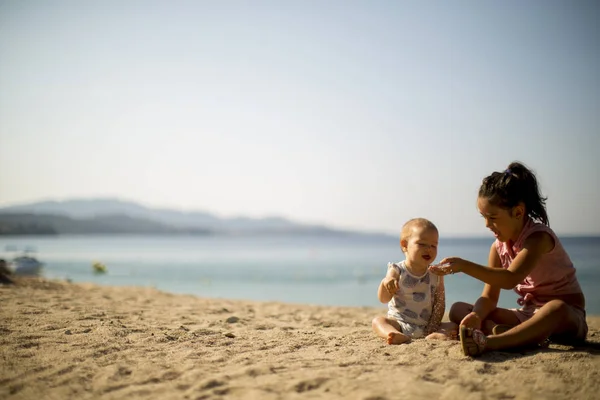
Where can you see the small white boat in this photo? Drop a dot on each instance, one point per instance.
(26, 265)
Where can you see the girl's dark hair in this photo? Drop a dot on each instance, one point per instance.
(517, 184)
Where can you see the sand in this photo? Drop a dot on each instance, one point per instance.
(60, 340)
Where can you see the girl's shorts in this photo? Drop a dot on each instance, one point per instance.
(578, 335)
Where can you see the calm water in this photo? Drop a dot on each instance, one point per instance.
(313, 270)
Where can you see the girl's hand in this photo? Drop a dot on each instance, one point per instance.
(440, 269)
(390, 284)
(472, 320)
(448, 265)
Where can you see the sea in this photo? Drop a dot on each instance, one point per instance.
(321, 270)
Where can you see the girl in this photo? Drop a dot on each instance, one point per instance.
(526, 256)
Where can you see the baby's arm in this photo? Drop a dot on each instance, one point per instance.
(439, 307)
(437, 329)
(389, 284)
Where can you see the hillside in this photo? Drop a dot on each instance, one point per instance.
(104, 216)
(41, 224)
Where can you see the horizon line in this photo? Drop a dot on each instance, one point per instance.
(268, 216)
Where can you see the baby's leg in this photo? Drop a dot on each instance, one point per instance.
(390, 330)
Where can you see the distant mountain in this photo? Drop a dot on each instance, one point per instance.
(90, 208)
(116, 216)
(43, 224)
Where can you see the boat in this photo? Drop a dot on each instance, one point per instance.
(26, 263)
(99, 268)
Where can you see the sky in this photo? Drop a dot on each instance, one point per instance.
(353, 114)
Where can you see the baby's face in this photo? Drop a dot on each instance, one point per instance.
(421, 249)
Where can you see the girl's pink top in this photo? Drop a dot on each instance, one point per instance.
(553, 275)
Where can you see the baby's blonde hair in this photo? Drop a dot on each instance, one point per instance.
(410, 225)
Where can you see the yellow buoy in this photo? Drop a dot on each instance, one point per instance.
(99, 268)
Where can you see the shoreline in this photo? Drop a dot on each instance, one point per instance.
(82, 340)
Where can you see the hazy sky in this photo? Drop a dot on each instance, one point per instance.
(355, 114)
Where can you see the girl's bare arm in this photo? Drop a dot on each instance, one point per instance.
(535, 246)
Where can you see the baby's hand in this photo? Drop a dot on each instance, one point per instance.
(391, 284)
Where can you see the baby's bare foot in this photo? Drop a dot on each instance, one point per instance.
(437, 336)
(397, 338)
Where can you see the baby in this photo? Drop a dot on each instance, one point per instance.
(415, 296)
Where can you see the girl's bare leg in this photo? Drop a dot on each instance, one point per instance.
(553, 318)
(500, 316)
(459, 310)
(389, 329)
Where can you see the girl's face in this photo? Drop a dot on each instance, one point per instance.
(505, 224)
(421, 247)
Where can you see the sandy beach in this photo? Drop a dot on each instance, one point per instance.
(60, 340)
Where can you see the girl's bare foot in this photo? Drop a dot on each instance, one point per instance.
(473, 341)
(488, 326)
(501, 328)
(397, 338)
